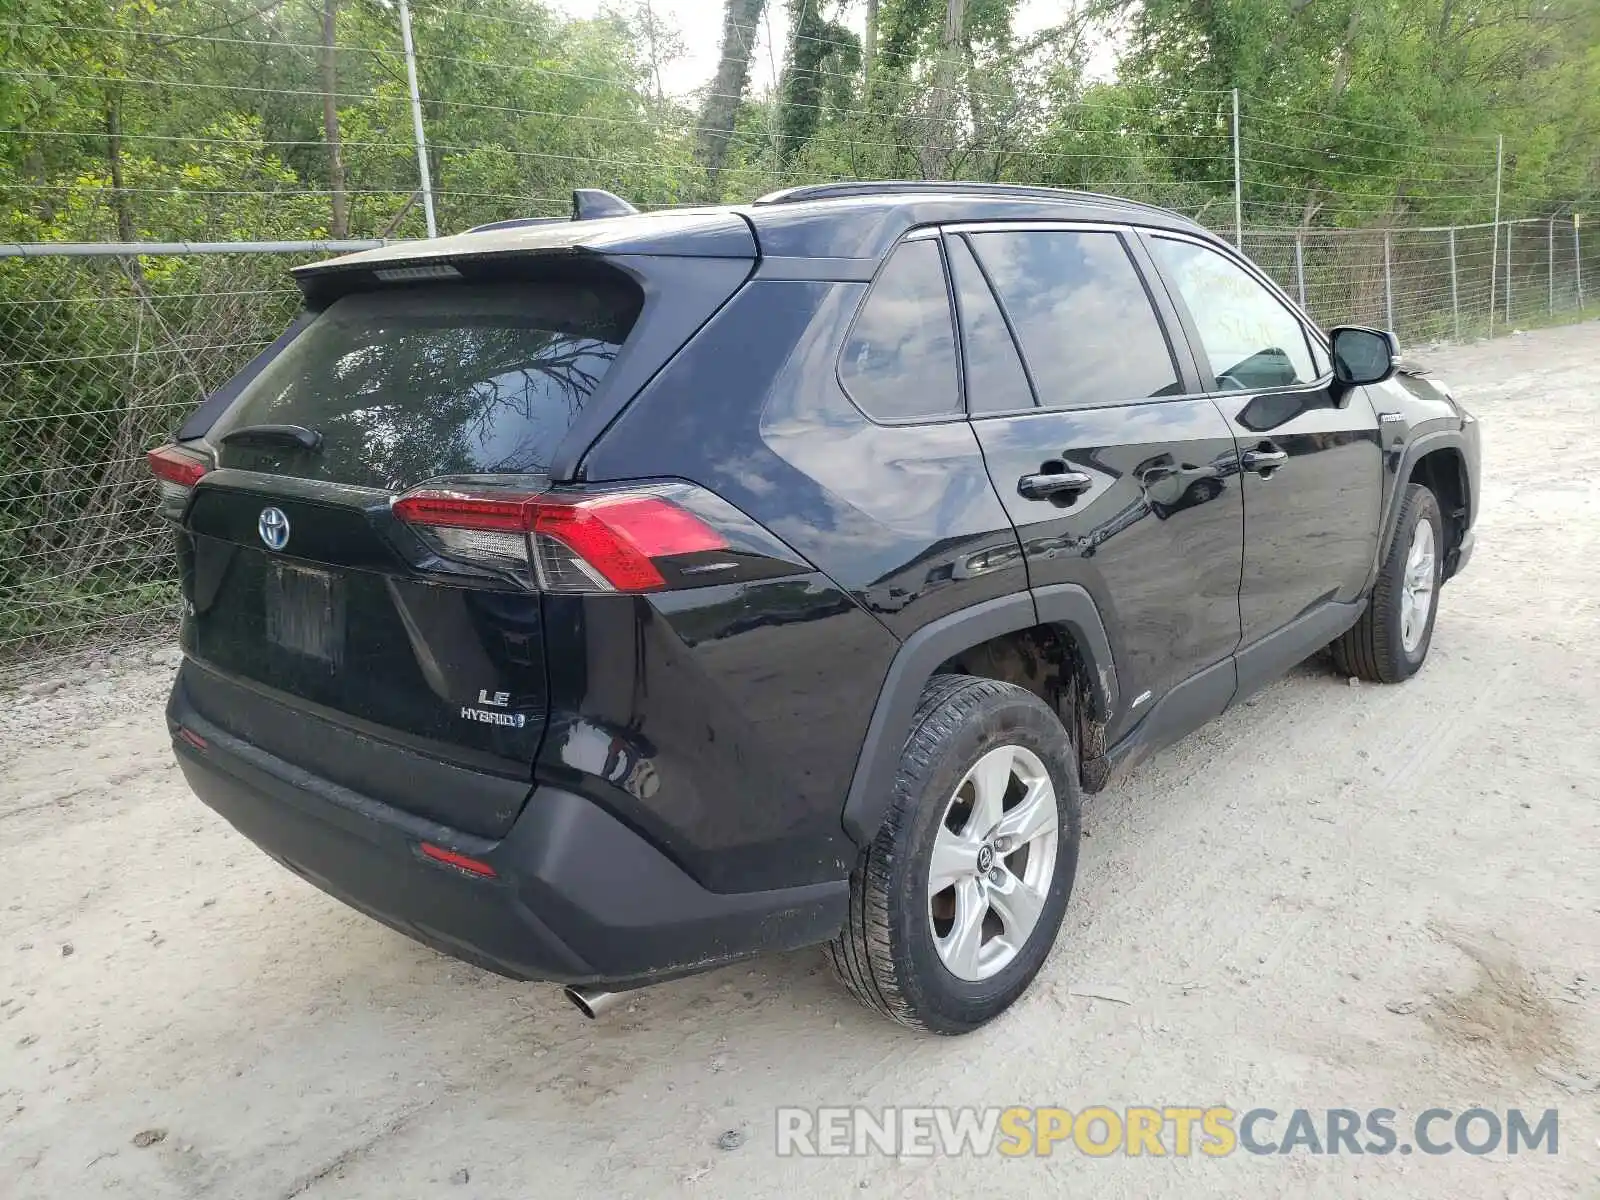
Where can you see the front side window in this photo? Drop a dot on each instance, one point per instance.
(899, 362)
(1087, 327)
(1251, 340)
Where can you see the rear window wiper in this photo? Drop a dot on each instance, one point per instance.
(278, 435)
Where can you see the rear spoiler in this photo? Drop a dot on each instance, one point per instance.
(686, 264)
(692, 233)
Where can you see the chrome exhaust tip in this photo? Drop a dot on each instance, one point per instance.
(591, 1002)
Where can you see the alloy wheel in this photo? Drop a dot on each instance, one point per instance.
(1416, 588)
(992, 862)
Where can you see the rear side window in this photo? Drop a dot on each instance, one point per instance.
(1087, 327)
(899, 362)
(408, 385)
(995, 381)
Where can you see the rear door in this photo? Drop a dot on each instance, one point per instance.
(1116, 477)
(309, 601)
(1312, 461)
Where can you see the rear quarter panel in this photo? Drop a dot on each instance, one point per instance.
(902, 517)
(901, 522)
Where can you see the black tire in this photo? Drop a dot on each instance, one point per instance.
(1373, 649)
(886, 954)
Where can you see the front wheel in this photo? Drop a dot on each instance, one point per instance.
(957, 901)
(1390, 642)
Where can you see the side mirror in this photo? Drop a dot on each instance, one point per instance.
(1363, 356)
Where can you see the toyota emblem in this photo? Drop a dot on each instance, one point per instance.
(273, 527)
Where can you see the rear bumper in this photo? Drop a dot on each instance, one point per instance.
(577, 896)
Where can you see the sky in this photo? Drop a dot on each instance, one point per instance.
(699, 23)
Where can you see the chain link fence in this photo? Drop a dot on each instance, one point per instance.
(103, 353)
(100, 357)
(1436, 284)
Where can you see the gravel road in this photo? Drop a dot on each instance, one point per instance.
(1333, 896)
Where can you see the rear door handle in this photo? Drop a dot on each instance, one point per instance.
(1063, 483)
(1262, 461)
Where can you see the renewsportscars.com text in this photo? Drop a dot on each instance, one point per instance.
(1213, 1131)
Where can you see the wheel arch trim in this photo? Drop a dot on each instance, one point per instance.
(1067, 604)
(1415, 451)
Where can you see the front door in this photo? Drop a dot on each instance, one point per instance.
(1116, 478)
(1310, 457)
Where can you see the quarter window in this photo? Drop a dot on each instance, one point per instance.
(1088, 330)
(1319, 356)
(899, 363)
(1251, 340)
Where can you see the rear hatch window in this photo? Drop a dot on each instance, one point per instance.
(406, 385)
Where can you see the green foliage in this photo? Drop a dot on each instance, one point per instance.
(204, 120)
(1359, 110)
(823, 57)
(225, 95)
(211, 110)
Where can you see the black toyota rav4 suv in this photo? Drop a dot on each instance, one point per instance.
(601, 600)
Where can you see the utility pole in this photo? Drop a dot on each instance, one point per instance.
(1494, 252)
(1577, 255)
(1511, 229)
(1238, 180)
(1388, 282)
(416, 120)
(1552, 266)
(1455, 289)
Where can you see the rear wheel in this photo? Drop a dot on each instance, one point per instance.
(957, 901)
(1390, 642)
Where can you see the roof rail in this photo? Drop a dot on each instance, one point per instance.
(902, 187)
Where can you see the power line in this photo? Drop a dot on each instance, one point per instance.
(1270, 106)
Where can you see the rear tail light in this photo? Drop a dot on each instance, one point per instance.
(177, 471)
(613, 542)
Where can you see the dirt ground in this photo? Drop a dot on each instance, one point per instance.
(1333, 896)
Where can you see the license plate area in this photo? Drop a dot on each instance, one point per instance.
(305, 612)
